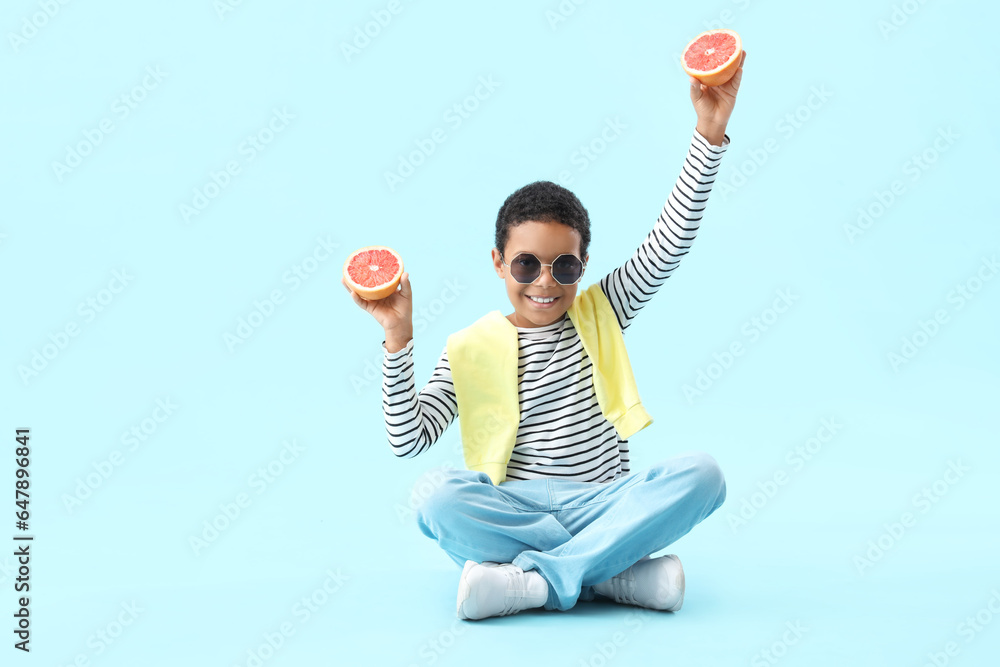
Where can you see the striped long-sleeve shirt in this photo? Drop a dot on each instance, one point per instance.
(562, 433)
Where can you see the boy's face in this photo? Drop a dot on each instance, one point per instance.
(546, 241)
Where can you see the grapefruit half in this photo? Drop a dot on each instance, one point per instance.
(713, 56)
(373, 272)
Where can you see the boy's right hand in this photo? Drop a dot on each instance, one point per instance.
(394, 313)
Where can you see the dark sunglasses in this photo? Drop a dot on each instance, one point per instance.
(525, 268)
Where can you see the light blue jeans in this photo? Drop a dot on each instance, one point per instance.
(574, 534)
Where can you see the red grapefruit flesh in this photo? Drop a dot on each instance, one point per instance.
(373, 272)
(713, 56)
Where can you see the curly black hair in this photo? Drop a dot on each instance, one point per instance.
(543, 201)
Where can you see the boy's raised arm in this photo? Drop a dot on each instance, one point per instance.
(632, 285)
(413, 421)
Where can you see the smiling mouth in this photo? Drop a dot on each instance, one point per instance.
(541, 300)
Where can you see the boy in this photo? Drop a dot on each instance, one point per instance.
(547, 512)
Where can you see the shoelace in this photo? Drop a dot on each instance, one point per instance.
(623, 587)
(515, 592)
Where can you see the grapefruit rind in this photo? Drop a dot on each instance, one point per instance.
(721, 73)
(385, 287)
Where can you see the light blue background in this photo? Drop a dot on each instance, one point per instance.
(341, 505)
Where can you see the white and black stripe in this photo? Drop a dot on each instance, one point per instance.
(562, 433)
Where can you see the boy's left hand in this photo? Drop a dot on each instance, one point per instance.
(714, 104)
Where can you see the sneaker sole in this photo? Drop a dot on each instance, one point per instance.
(464, 590)
(678, 581)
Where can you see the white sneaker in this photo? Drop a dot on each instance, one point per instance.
(494, 589)
(654, 583)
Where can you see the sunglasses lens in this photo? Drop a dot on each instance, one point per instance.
(566, 269)
(525, 268)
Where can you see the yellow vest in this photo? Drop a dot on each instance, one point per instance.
(483, 359)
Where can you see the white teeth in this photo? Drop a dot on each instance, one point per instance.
(542, 300)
